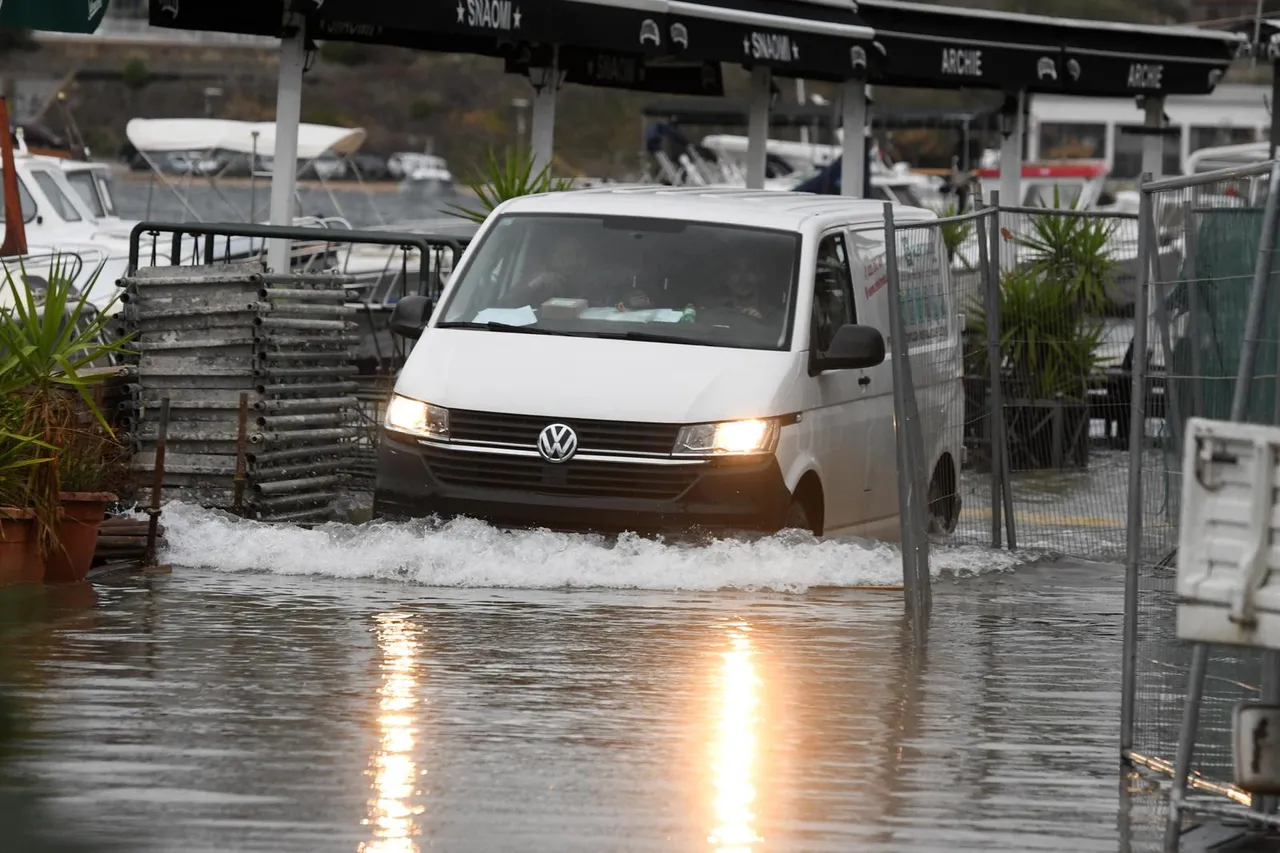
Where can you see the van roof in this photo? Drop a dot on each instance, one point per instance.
(788, 211)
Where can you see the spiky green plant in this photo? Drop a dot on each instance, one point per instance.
(1049, 346)
(506, 177)
(1075, 251)
(954, 234)
(49, 338)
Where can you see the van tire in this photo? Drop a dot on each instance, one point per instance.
(944, 498)
(797, 517)
(805, 511)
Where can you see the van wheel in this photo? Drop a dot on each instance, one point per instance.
(798, 517)
(944, 499)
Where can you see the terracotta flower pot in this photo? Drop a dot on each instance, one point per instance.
(20, 560)
(82, 513)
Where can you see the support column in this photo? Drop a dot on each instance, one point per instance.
(854, 154)
(1275, 113)
(1011, 155)
(1153, 143)
(284, 164)
(758, 127)
(544, 112)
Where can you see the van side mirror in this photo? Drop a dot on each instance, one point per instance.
(854, 347)
(410, 316)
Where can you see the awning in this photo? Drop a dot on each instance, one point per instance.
(201, 134)
(246, 17)
(814, 39)
(59, 16)
(624, 71)
(946, 47)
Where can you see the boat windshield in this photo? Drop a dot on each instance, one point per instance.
(87, 189)
(62, 205)
(24, 197)
(898, 193)
(630, 277)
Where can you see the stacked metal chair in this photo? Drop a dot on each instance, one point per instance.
(263, 418)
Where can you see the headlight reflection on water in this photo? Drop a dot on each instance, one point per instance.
(734, 750)
(391, 810)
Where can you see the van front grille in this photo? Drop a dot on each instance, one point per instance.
(471, 470)
(593, 436)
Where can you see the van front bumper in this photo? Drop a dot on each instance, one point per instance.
(417, 480)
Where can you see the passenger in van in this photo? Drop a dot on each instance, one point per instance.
(744, 290)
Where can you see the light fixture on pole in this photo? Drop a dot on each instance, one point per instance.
(1007, 118)
(540, 78)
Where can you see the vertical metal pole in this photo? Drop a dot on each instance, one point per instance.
(854, 144)
(915, 555)
(1186, 746)
(284, 165)
(1000, 433)
(1011, 155)
(157, 484)
(990, 301)
(1257, 300)
(1173, 411)
(1137, 438)
(758, 127)
(544, 115)
(253, 180)
(1191, 237)
(1274, 135)
(1240, 400)
(1153, 139)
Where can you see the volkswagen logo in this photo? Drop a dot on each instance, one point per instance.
(558, 443)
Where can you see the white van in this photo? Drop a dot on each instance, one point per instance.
(648, 358)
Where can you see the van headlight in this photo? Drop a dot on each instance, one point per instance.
(415, 417)
(728, 438)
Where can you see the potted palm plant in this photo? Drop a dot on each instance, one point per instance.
(51, 341)
(1049, 337)
(20, 558)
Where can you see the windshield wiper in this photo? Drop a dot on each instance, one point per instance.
(496, 327)
(654, 337)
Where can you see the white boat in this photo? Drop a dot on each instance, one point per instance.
(421, 172)
(378, 269)
(60, 221)
(796, 162)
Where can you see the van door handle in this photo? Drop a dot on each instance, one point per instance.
(864, 380)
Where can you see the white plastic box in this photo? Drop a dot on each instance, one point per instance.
(1228, 554)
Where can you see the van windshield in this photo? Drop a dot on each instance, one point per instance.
(630, 277)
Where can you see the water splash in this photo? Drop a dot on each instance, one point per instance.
(469, 553)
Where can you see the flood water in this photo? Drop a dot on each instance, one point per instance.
(408, 688)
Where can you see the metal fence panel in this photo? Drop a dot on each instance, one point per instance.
(1066, 322)
(1204, 360)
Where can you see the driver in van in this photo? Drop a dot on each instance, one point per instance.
(562, 274)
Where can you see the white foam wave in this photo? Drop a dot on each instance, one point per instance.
(468, 553)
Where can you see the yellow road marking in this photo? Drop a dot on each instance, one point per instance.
(1052, 520)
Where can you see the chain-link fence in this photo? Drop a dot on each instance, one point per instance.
(1043, 304)
(1096, 334)
(1213, 345)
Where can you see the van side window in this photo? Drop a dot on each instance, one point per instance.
(832, 293)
